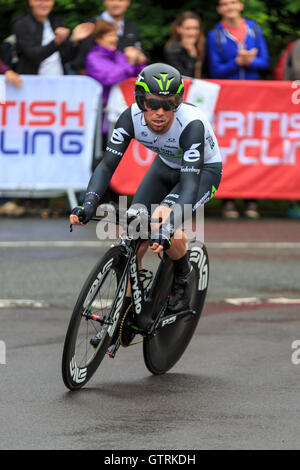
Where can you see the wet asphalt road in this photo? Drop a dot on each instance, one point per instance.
(235, 388)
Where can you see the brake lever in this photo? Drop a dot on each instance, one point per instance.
(71, 227)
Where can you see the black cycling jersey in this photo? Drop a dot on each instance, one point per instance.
(184, 154)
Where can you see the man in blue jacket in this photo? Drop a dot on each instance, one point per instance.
(236, 48)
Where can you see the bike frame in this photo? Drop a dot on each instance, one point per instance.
(142, 307)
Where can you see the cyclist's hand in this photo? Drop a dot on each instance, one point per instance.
(81, 215)
(160, 241)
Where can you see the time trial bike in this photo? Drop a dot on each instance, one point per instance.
(100, 325)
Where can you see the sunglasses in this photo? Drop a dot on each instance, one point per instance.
(168, 105)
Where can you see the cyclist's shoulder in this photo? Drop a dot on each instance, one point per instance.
(135, 110)
(188, 113)
(126, 115)
(125, 123)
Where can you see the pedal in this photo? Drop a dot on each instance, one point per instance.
(97, 339)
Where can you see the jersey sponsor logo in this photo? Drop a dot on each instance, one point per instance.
(170, 147)
(187, 169)
(109, 149)
(118, 136)
(192, 155)
(202, 201)
(211, 141)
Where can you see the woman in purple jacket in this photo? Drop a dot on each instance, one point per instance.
(108, 65)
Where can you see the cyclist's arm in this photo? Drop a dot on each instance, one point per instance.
(116, 147)
(192, 142)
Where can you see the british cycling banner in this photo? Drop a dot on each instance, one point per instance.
(137, 158)
(258, 129)
(47, 133)
(257, 124)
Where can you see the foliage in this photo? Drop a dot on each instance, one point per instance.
(278, 18)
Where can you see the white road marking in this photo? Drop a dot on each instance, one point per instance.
(11, 303)
(244, 301)
(106, 243)
(284, 300)
(263, 245)
(257, 301)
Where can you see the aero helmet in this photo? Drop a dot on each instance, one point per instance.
(162, 80)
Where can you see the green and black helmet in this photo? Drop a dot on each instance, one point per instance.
(161, 80)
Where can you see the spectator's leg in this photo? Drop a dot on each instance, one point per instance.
(251, 210)
(229, 210)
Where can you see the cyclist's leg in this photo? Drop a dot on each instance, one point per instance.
(208, 184)
(158, 181)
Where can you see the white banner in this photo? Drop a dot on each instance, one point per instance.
(47, 133)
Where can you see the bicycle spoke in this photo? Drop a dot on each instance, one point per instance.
(101, 304)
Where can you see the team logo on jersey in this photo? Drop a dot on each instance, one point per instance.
(118, 136)
(192, 155)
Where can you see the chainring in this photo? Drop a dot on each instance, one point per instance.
(126, 333)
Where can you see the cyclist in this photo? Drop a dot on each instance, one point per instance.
(186, 170)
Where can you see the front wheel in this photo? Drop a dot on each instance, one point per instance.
(95, 315)
(162, 351)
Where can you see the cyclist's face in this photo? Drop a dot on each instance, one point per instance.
(230, 9)
(158, 120)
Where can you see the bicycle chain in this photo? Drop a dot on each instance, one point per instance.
(121, 330)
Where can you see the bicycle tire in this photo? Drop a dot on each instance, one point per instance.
(77, 373)
(163, 351)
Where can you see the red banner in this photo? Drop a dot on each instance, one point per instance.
(257, 124)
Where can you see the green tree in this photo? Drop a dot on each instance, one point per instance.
(278, 18)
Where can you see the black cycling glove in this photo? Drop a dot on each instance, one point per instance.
(87, 211)
(163, 236)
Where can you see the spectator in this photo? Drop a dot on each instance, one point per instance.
(43, 46)
(108, 65)
(128, 32)
(42, 42)
(11, 77)
(236, 49)
(7, 206)
(288, 68)
(185, 48)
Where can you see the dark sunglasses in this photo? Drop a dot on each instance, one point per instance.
(167, 105)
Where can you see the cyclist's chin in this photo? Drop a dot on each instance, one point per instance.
(158, 126)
